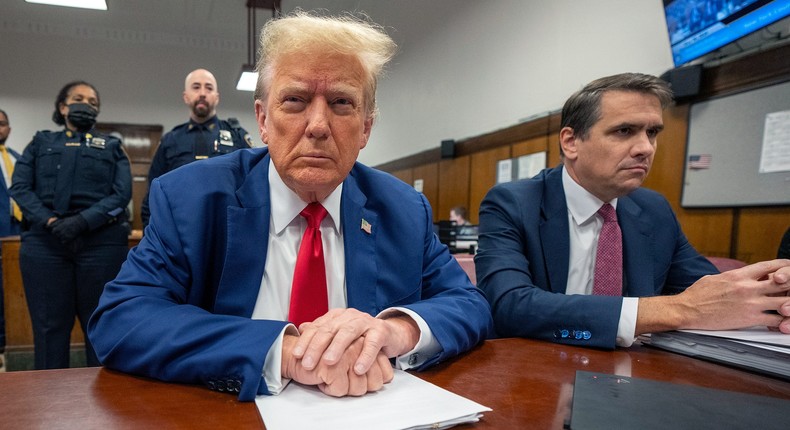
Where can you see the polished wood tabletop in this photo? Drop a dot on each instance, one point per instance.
(527, 383)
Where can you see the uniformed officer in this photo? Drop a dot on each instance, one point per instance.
(203, 136)
(73, 187)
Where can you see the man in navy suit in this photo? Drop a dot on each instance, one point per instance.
(538, 238)
(9, 226)
(205, 297)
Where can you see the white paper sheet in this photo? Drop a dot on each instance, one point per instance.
(752, 334)
(407, 402)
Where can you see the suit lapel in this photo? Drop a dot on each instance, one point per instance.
(637, 249)
(554, 231)
(359, 246)
(244, 258)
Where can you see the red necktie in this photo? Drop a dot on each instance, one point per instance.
(608, 276)
(308, 291)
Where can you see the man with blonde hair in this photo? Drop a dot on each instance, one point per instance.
(298, 231)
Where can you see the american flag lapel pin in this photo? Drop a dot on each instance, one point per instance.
(366, 227)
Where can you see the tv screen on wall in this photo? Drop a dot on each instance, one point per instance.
(698, 27)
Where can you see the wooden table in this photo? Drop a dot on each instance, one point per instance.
(527, 383)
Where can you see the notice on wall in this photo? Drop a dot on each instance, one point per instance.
(504, 171)
(530, 165)
(775, 156)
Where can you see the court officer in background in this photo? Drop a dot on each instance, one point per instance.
(581, 254)
(203, 136)
(295, 232)
(73, 187)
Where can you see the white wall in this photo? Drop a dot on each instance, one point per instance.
(465, 67)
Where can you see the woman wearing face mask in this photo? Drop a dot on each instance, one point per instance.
(73, 187)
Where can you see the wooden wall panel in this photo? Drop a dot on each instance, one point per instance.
(453, 186)
(429, 173)
(759, 232)
(405, 175)
(530, 146)
(483, 169)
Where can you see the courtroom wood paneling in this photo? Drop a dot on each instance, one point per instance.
(453, 185)
(429, 173)
(483, 168)
(530, 146)
(760, 230)
(404, 175)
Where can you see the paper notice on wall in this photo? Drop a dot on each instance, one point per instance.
(530, 165)
(775, 156)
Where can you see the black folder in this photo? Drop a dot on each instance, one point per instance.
(602, 401)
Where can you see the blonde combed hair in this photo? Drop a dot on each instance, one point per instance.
(349, 34)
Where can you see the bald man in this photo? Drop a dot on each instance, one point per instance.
(203, 136)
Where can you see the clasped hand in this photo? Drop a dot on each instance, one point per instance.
(753, 295)
(346, 352)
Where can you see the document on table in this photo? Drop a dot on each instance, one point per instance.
(755, 348)
(407, 402)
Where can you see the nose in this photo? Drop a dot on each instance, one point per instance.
(317, 119)
(644, 146)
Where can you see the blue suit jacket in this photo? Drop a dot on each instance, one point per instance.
(7, 227)
(524, 249)
(180, 307)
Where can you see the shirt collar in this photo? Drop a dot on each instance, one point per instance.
(581, 203)
(289, 205)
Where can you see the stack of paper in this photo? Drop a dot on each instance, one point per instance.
(754, 348)
(407, 402)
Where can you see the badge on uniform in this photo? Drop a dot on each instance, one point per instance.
(97, 142)
(225, 138)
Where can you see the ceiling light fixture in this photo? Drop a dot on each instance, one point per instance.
(84, 4)
(248, 78)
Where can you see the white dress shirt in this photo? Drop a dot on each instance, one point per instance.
(584, 225)
(286, 228)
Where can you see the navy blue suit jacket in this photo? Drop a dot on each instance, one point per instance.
(180, 307)
(524, 249)
(7, 227)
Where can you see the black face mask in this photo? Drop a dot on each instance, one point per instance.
(82, 116)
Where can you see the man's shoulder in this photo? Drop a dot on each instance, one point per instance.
(233, 166)
(240, 135)
(176, 131)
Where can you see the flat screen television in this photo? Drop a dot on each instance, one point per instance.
(698, 27)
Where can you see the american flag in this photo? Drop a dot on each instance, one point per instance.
(366, 226)
(701, 161)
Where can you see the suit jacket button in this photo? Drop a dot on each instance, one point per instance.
(586, 334)
(212, 385)
(577, 334)
(221, 385)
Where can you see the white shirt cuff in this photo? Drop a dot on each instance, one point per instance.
(272, 367)
(626, 327)
(427, 346)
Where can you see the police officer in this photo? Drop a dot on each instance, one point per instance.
(203, 136)
(73, 187)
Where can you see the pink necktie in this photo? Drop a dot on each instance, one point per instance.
(308, 291)
(608, 276)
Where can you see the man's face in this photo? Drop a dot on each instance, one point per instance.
(5, 128)
(616, 156)
(314, 120)
(200, 94)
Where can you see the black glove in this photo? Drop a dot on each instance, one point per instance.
(67, 229)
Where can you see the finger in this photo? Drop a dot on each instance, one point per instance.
(782, 276)
(357, 384)
(321, 338)
(784, 326)
(343, 337)
(375, 379)
(375, 340)
(387, 373)
(305, 336)
(762, 269)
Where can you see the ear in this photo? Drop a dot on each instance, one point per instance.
(184, 97)
(368, 126)
(64, 109)
(569, 143)
(260, 117)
